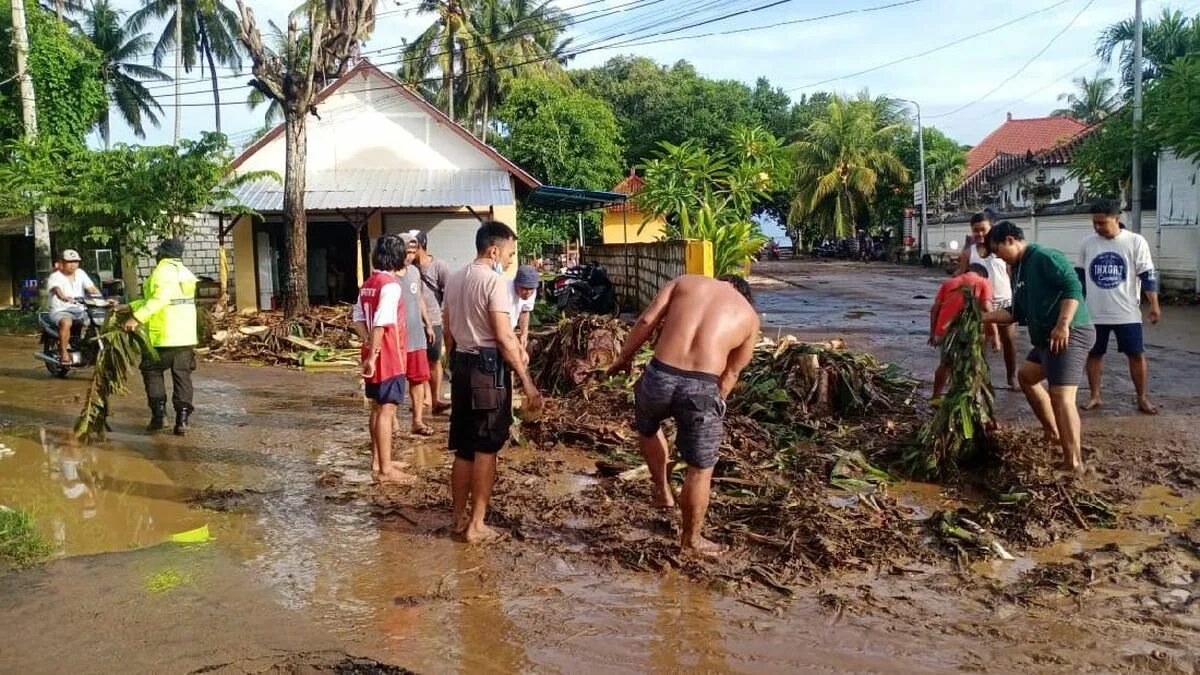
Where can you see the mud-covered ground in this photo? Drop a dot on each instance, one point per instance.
(311, 567)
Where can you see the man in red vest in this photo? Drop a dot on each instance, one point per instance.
(379, 322)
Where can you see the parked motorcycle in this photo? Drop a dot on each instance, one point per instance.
(85, 345)
(585, 288)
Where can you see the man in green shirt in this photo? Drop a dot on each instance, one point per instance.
(1048, 298)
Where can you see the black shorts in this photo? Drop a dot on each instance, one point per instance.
(692, 399)
(1065, 369)
(434, 350)
(1129, 339)
(480, 404)
(387, 392)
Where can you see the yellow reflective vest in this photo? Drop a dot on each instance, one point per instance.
(168, 305)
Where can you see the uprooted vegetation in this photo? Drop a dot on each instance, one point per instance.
(322, 337)
(815, 438)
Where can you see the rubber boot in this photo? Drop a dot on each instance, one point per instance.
(158, 415)
(181, 421)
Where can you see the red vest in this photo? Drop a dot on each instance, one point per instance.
(392, 355)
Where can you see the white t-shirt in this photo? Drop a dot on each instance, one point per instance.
(1111, 270)
(997, 274)
(518, 304)
(72, 287)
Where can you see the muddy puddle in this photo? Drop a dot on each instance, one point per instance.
(276, 469)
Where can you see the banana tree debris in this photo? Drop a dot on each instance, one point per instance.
(321, 338)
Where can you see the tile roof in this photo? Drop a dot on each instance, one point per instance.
(356, 189)
(1017, 137)
(631, 185)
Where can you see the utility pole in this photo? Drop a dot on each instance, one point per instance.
(1135, 187)
(922, 239)
(178, 61)
(41, 221)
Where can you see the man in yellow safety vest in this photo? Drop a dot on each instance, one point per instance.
(168, 310)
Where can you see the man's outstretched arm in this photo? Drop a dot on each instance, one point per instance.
(643, 328)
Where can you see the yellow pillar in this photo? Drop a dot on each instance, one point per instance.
(698, 257)
(245, 267)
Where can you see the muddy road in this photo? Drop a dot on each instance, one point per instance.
(303, 571)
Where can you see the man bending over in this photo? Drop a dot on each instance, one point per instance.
(708, 328)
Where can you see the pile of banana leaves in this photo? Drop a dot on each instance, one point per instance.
(119, 352)
(961, 425)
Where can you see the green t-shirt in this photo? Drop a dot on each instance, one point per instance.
(1042, 279)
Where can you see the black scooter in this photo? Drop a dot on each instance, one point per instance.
(585, 288)
(85, 345)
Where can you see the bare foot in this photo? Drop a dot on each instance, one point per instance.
(1146, 406)
(1013, 385)
(704, 547)
(64, 357)
(1075, 468)
(396, 477)
(459, 526)
(664, 500)
(423, 431)
(481, 534)
(1092, 404)
(1050, 437)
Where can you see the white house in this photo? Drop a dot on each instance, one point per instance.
(380, 160)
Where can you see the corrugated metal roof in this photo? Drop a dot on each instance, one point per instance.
(386, 188)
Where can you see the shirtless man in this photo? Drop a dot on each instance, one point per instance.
(708, 332)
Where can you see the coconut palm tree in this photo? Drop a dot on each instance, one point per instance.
(1092, 101)
(438, 47)
(508, 38)
(210, 36)
(1171, 36)
(841, 159)
(119, 45)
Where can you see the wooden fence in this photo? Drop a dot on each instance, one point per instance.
(639, 270)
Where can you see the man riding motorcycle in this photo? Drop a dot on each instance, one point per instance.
(168, 309)
(66, 286)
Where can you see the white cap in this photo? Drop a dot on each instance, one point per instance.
(70, 255)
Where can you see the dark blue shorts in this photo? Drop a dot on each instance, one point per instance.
(1129, 339)
(388, 391)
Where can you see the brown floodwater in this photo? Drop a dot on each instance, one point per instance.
(400, 591)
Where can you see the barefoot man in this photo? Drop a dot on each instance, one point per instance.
(1117, 268)
(708, 331)
(485, 355)
(1047, 297)
(379, 322)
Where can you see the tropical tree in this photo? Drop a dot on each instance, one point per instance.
(713, 195)
(210, 37)
(335, 31)
(119, 47)
(437, 47)
(841, 161)
(1171, 36)
(1174, 111)
(1093, 99)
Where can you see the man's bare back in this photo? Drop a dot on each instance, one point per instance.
(705, 321)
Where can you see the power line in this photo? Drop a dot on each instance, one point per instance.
(939, 48)
(1020, 70)
(1032, 93)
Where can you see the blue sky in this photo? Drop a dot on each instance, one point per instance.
(792, 56)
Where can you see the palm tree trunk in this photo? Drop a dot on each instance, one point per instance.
(484, 131)
(212, 71)
(295, 220)
(450, 70)
(106, 128)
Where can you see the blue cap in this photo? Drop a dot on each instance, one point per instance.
(527, 277)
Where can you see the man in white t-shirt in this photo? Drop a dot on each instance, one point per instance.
(65, 287)
(523, 290)
(1116, 269)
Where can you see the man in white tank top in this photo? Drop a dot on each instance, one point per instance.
(976, 252)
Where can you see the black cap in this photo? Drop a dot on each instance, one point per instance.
(171, 248)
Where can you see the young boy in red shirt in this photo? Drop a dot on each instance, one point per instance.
(379, 321)
(949, 302)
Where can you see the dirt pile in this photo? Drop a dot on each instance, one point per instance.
(321, 337)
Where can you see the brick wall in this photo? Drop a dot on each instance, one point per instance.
(199, 253)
